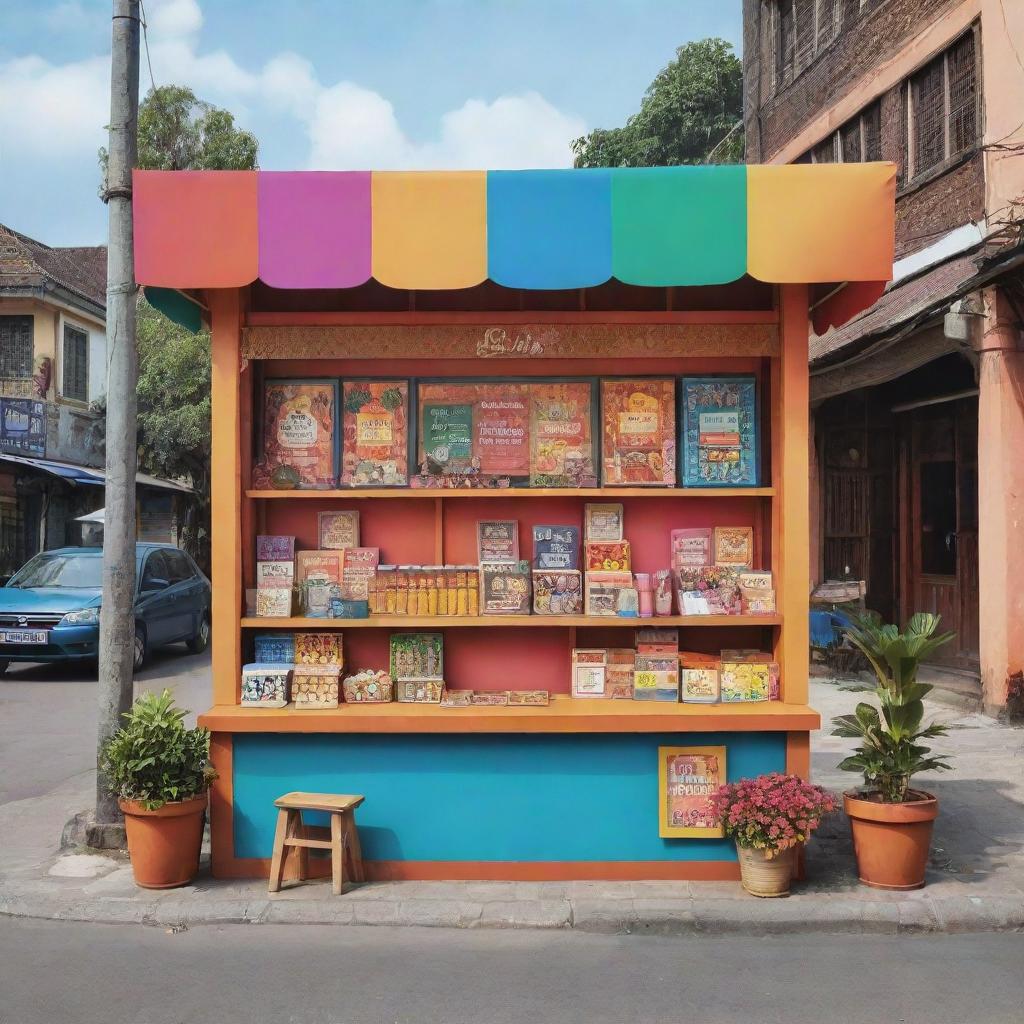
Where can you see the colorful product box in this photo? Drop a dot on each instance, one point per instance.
(275, 548)
(734, 546)
(603, 592)
(299, 435)
(620, 664)
(375, 434)
(720, 432)
(744, 681)
(556, 547)
(610, 556)
(603, 521)
(638, 432)
(529, 698)
(265, 686)
(656, 677)
(505, 588)
(318, 649)
(275, 574)
(273, 602)
(274, 648)
(589, 676)
(315, 687)
(691, 548)
(497, 540)
(337, 530)
(557, 593)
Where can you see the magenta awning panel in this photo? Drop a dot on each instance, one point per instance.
(314, 229)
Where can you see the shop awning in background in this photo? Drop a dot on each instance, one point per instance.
(560, 229)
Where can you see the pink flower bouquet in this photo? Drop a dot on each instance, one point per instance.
(773, 812)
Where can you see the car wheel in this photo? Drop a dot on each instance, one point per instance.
(201, 640)
(141, 649)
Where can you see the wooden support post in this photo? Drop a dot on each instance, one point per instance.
(226, 494)
(792, 530)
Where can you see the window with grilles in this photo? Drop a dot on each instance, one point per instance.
(802, 30)
(943, 108)
(16, 346)
(857, 141)
(76, 364)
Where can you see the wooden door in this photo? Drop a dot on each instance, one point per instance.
(940, 472)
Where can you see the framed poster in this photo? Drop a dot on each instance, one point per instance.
(562, 434)
(474, 429)
(720, 432)
(638, 432)
(299, 435)
(687, 779)
(375, 433)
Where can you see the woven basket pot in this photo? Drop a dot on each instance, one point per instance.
(763, 877)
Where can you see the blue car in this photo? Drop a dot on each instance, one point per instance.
(50, 608)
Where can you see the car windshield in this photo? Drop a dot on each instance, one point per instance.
(70, 571)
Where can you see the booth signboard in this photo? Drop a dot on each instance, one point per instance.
(687, 779)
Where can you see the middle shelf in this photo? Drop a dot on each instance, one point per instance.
(483, 621)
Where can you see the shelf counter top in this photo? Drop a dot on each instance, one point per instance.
(563, 715)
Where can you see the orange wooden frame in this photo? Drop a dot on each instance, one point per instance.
(239, 513)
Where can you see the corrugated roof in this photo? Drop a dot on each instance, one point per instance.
(28, 263)
(902, 302)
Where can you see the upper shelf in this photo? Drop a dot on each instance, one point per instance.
(521, 492)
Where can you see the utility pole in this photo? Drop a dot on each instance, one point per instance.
(117, 622)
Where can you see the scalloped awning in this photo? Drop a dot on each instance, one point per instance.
(558, 229)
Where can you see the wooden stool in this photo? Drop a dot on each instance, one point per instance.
(344, 841)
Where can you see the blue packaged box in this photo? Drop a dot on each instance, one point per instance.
(275, 648)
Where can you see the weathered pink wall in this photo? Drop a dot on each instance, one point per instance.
(1001, 497)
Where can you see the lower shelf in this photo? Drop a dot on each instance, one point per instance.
(493, 621)
(562, 715)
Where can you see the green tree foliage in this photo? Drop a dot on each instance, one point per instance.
(692, 109)
(180, 132)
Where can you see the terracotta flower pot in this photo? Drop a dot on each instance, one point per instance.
(766, 877)
(164, 844)
(892, 841)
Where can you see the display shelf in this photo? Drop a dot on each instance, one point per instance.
(517, 492)
(484, 621)
(564, 714)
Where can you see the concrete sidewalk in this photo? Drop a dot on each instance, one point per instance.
(976, 879)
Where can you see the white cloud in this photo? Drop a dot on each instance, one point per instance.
(51, 111)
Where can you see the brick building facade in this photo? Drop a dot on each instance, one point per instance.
(915, 402)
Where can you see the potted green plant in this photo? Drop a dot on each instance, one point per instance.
(892, 823)
(768, 817)
(161, 773)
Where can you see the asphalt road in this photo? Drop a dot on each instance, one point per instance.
(48, 717)
(258, 974)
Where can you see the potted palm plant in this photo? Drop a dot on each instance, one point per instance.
(892, 823)
(161, 773)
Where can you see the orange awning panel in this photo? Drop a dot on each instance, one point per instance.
(814, 222)
(195, 229)
(429, 228)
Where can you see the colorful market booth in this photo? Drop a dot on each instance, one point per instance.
(526, 452)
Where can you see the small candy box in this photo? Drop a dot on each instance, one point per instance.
(265, 686)
(620, 663)
(275, 548)
(273, 602)
(608, 556)
(744, 681)
(315, 686)
(557, 593)
(275, 648)
(318, 649)
(368, 687)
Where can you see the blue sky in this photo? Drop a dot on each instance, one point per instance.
(333, 84)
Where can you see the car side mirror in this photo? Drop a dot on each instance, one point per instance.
(154, 584)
